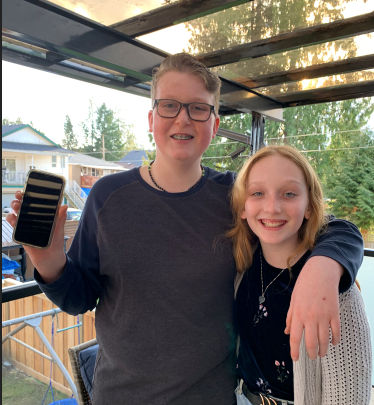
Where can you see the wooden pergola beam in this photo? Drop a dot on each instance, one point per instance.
(310, 72)
(171, 14)
(348, 27)
(324, 95)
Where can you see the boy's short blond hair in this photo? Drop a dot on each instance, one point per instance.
(185, 63)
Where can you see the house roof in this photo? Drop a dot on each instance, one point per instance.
(89, 161)
(33, 147)
(133, 159)
(6, 129)
(10, 129)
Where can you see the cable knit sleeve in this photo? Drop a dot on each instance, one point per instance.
(343, 376)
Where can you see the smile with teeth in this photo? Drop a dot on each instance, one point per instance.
(180, 137)
(272, 224)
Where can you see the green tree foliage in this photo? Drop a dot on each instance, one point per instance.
(332, 127)
(350, 187)
(103, 122)
(258, 20)
(18, 121)
(7, 121)
(151, 154)
(70, 141)
(215, 156)
(329, 134)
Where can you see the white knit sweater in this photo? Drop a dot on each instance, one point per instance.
(343, 376)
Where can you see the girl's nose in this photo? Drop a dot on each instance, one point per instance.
(273, 204)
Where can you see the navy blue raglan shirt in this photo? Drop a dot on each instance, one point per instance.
(164, 276)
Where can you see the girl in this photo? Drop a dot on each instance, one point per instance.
(279, 212)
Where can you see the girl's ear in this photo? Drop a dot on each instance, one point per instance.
(243, 215)
(308, 212)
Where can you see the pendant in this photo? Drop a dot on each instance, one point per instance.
(261, 299)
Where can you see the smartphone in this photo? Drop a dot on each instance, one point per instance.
(37, 217)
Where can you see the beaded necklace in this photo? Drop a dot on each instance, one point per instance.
(162, 189)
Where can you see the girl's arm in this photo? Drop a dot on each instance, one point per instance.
(314, 306)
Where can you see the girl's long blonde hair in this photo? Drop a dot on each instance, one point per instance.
(244, 240)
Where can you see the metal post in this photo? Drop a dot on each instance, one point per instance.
(34, 323)
(257, 133)
(12, 322)
(13, 332)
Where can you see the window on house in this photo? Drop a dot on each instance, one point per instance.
(8, 170)
(62, 162)
(9, 164)
(54, 161)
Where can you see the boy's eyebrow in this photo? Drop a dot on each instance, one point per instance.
(196, 100)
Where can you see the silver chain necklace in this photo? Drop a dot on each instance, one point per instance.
(261, 298)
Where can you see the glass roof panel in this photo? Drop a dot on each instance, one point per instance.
(252, 21)
(110, 11)
(320, 83)
(333, 51)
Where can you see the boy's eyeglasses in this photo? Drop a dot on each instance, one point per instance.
(171, 108)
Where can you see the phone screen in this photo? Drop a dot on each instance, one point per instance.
(36, 218)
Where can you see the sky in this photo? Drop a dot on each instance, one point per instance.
(46, 98)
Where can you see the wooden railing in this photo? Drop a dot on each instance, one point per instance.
(32, 363)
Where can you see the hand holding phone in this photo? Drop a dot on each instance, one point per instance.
(36, 221)
(49, 257)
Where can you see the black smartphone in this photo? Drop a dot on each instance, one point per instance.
(37, 217)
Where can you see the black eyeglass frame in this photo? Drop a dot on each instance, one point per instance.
(155, 104)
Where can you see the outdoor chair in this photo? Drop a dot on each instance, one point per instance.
(83, 396)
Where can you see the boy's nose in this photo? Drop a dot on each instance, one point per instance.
(183, 116)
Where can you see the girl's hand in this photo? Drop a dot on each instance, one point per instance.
(314, 307)
(49, 262)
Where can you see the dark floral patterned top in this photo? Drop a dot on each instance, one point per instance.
(264, 361)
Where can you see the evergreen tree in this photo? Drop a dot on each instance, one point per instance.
(70, 141)
(259, 20)
(102, 123)
(350, 187)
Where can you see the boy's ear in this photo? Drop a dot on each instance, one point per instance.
(150, 120)
(215, 126)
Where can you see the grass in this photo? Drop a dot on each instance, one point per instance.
(18, 388)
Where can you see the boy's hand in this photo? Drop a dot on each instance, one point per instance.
(315, 307)
(49, 262)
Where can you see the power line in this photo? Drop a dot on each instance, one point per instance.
(223, 157)
(325, 150)
(129, 150)
(319, 134)
(328, 150)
